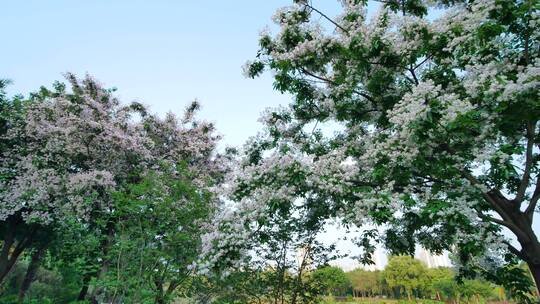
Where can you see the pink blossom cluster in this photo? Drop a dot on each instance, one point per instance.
(73, 149)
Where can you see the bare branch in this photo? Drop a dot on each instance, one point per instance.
(528, 165)
(529, 212)
(515, 251)
(326, 17)
(494, 220)
(330, 81)
(422, 62)
(411, 70)
(409, 79)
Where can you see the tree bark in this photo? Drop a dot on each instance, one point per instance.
(520, 223)
(530, 246)
(9, 239)
(8, 264)
(31, 272)
(535, 271)
(10, 254)
(84, 289)
(106, 246)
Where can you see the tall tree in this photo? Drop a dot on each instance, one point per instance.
(332, 280)
(367, 283)
(436, 120)
(157, 237)
(65, 152)
(78, 170)
(406, 274)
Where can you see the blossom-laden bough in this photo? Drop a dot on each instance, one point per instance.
(437, 104)
(70, 161)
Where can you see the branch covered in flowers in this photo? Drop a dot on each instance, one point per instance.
(437, 133)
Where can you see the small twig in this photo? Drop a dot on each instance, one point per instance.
(326, 17)
(366, 96)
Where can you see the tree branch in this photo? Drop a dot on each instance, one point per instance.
(494, 220)
(473, 180)
(326, 17)
(515, 251)
(493, 197)
(528, 165)
(409, 79)
(422, 62)
(307, 72)
(411, 70)
(515, 229)
(529, 212)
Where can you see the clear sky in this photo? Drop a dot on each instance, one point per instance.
(162, 53)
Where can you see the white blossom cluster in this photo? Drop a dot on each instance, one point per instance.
(435, 111)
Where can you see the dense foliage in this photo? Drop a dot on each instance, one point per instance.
(110, 193)
(435, 122)
(416, 126)
(404, 279)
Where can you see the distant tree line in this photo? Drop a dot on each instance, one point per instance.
(405, 277)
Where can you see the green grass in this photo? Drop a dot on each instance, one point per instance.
(381, 301)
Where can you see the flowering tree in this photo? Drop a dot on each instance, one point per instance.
(159, 216)
(65, 153)
(268, 232)
(435, 121)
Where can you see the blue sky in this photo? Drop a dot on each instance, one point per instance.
(162, 53)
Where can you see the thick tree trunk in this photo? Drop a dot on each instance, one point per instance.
(530, 247)
(10, 254)
(9, 239)
(106, 246)
(535, 271)
(31, 272)
(520, 223)
(84, 289)
(8, 264)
